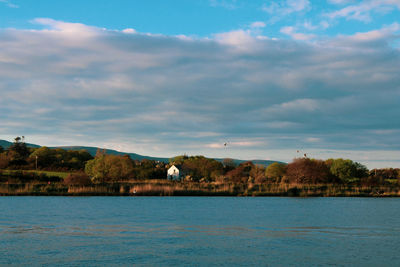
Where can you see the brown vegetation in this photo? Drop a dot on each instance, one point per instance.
(308, 171)
(167, 188)
(120, 175)
(79, 178)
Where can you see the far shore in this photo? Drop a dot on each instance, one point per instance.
(169, 188)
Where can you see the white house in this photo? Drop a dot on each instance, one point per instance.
(174, 172)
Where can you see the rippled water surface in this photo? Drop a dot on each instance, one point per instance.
(199, 231)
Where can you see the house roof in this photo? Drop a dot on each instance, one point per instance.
(178, 166)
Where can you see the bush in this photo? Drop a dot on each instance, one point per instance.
(79, 178)
(275, 172)
(4, 161)
(308, 171)
(241, 173)
(346, 170)
(110, 168)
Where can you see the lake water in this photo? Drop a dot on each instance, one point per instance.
(199, 231)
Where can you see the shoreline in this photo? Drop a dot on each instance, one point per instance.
(198, 189)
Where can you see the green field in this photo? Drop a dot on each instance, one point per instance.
(48, 173)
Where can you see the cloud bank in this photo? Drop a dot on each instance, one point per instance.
(70, 83)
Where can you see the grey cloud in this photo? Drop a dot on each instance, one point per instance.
(86, 84)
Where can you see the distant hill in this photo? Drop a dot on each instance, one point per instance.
(255, 161)
(5, 144)
(92, 150)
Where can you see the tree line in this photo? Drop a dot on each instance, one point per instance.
(20, 156)
(103, 168)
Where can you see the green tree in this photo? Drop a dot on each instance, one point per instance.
(150, 169)
(58, 158)
(18, 152)
(178, 159)
(109, 168)
(275, 172)
(75, 159)
(44, 156)
(347, 170)
(200, 167)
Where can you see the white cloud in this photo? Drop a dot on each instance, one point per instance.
(184, 37)
(228, 4)
(291, 31)
(386, 35)
(340, 2)
(215, 145)
(236, 144)
(313, 140)
(295, 106)
(129, 30)
(287, 7)
(324, 24)
(298, 5)
(239, 39)
(309, 26)
(66, 27)
(363, 10)
(257, 24)
(377, 34)
(9, 3)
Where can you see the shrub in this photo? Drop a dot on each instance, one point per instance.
(110, 168)
(308, 171)
(241, 173)
(79, 178)
(346, 170)
(275, 172)
(4, 161)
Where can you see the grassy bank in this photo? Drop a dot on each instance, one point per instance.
(37, 172)
(167, 188)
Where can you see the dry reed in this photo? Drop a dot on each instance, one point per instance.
(171, 188)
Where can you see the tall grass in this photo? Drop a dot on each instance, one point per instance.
(170, 188)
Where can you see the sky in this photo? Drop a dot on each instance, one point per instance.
(271, 79)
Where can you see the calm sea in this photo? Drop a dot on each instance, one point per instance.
(199, 231)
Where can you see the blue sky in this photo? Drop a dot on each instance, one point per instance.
(164, 78)
(206, 17)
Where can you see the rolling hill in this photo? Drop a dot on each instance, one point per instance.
(92, 150)
(5, 144)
